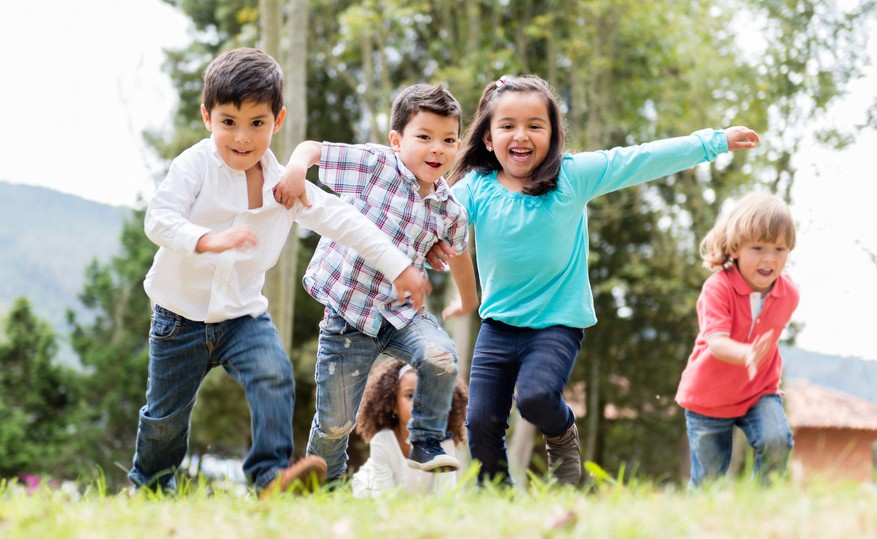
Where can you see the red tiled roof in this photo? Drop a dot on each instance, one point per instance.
(815, 406)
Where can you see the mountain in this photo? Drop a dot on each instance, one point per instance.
(855, 376)
(47, 240)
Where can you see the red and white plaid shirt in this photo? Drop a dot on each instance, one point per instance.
(374, 180)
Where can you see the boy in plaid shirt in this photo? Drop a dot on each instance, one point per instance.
(401, 189)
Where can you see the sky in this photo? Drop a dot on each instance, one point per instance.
(77, 97)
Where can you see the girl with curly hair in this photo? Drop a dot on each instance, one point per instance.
(383, 423)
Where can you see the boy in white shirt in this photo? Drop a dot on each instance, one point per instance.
(219, 230)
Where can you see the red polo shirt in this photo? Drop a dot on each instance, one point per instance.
(715, 388)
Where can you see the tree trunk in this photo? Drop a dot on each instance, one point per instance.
(281, 281)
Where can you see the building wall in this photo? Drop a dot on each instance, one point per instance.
(836, 454)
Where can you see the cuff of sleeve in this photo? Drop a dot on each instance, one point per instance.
(392, 263)
(714, 142)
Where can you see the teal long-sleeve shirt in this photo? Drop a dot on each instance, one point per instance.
(533, 251)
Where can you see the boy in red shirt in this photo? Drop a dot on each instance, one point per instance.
(733, 374)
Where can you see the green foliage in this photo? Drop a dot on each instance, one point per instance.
(37, 397)
(113, 350)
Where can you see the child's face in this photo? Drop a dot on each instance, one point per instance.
(242, 135)
(405, 397)
(520, 133)
(760, 263)
(427, 146)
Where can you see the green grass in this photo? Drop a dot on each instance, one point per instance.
(733, 510)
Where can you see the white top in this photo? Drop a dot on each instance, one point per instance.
(202, 194)
(387, 469)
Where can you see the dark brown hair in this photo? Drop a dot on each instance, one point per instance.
(474, 154)
(424, 97)
(378, 409)
(243, 74)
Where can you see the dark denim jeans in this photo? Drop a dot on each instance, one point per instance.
(181, 352)
(539, 363)
(710, 440)
(344, 359)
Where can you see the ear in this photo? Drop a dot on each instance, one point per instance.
(278, 122)
(395, 137)
(205, 116)
(488, 141)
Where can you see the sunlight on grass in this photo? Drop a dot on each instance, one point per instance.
(609, 508)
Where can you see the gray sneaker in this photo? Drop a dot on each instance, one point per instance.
(565, 456)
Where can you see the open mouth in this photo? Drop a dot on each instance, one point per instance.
(520, 153)
(433, 164)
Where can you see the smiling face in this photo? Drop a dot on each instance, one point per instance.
(520, 134)
(427, 147)
(242, 135)
(760, 263)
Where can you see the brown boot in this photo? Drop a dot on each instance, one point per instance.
(565, 456)
(306, 475)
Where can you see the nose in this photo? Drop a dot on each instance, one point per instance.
(242, 136)
(521, 134)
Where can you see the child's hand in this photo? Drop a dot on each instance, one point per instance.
(455, 308)
(741, 138)
(291, 186)
(756, 352)
(233, 238)
(413, 285)
(439, 254)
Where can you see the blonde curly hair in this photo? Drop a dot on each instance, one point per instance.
(755, 217)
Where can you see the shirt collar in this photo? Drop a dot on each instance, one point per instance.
(271, 169)
(742, 287)
(442, 190)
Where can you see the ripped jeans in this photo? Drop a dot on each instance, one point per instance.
(344, 359)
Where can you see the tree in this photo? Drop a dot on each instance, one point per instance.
(113, 350)
(37, 398)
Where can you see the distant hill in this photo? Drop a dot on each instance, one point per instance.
(47, 240)
(855, 376)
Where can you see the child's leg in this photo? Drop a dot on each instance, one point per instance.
(710, 441)
(344, 359)
(547, 359)
(492, 379)
(251, 352)
(430, 350)
(767, 430)
(178, 362)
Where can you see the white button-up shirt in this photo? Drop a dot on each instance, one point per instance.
(202, 194)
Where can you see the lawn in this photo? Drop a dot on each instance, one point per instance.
(736, 510)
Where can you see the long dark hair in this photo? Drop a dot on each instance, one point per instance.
(474, 154)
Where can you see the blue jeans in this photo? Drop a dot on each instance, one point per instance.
(710, 440)
(539, 363)
(181, 352)
(344, 359)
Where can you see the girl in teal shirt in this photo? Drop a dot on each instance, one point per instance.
(528, 203)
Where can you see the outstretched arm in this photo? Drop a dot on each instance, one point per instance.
(291, 186)
(748, 355)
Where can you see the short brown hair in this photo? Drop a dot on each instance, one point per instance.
(424, 97)
(243, 74)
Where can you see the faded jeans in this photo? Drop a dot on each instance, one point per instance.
(181, 352)
(710, 440)
(538, 362)
(344, 359)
